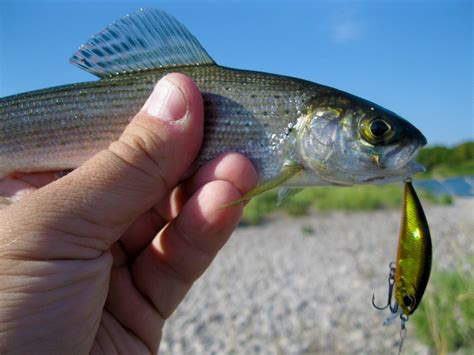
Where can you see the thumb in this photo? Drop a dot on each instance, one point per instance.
(103, 196)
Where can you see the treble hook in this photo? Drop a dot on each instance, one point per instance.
(391, 284)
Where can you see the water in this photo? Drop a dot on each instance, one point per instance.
(456, 186)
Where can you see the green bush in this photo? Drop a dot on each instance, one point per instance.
(445, 318)
(354, 198)
(448, 170)
(357, 198)
(441, 161)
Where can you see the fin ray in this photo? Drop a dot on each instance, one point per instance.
(146, 39)
(288, 170)
(286, 192)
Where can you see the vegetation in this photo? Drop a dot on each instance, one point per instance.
(439, 161)
(323, 199)
(445, 318)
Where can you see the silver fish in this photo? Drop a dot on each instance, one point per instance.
(297, 133)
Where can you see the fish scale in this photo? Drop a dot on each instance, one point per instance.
(88, 116)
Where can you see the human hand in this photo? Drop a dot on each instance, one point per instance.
(96, 261)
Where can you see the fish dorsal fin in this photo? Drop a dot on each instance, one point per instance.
(146, 39)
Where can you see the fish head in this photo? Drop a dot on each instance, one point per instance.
(346, 140)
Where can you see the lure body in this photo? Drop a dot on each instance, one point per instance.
(414, 253)
(410, 273)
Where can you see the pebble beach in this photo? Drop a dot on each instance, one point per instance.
(304, 285)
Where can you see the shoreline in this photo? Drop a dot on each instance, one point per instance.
(277, 288)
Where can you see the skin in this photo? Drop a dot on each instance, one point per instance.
(96, 261)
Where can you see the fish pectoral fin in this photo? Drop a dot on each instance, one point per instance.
(289, 170)
(286, 192)
(146, 39)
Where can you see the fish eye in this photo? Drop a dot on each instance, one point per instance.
(376, 130)
(378, 127)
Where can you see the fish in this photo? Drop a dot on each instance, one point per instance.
(296, 133)
(410, 273)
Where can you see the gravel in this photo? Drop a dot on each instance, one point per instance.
(304, 286)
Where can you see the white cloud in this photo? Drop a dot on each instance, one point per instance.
(346, 30)
(345, 24)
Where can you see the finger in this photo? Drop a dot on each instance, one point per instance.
(170, 206)
(113, 338)
(232, 167)
(124, 300)
(101, 198)
(183, 250)
(141, 232)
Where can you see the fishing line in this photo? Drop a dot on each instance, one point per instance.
(403, 334)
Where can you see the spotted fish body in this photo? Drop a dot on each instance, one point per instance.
(60, 128)
(414, 253)
(295, 132)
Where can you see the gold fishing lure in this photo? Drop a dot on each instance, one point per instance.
(410, 273)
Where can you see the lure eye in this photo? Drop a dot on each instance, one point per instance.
(376, 130)
(408, 301)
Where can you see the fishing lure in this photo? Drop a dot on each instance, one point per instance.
(410, 273)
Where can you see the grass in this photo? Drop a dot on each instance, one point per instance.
(307, 230)
(445, 318)
(445, 170)
(355, 198)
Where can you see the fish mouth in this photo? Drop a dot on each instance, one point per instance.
(408, 170)
(402, 157)
(398, 164)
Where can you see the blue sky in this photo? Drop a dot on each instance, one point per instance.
(412, 57)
